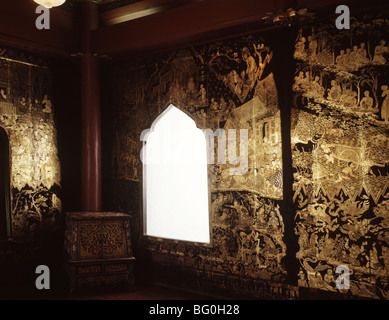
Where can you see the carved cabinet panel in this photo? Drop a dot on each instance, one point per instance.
(98, 248)
(101, 239)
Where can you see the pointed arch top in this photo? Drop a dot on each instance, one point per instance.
(174, 114)
(175, 187)
(179, 133)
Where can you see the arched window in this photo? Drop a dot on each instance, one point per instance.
(175, 184)
(5, 210)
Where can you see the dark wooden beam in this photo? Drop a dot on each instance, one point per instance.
(176, 25)
(138, 9)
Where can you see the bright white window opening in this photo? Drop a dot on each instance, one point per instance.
(175, 184)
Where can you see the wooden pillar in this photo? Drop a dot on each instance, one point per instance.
(284, 67)
(90, 132)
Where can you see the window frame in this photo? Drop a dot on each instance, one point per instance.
(5, 141)
(142, 188)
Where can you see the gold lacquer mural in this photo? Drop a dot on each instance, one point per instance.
(26, 114)
(340, 140)
(222, 86)
(339, 149)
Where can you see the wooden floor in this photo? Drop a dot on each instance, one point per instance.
(148, 292)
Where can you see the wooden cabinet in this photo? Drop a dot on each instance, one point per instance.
(98, 249)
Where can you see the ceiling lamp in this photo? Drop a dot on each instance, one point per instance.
(50, 3)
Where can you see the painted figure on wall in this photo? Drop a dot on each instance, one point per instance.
(379, 53)
(27, 117)
(340, 160)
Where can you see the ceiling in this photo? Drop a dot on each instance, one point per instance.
(130, 27)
